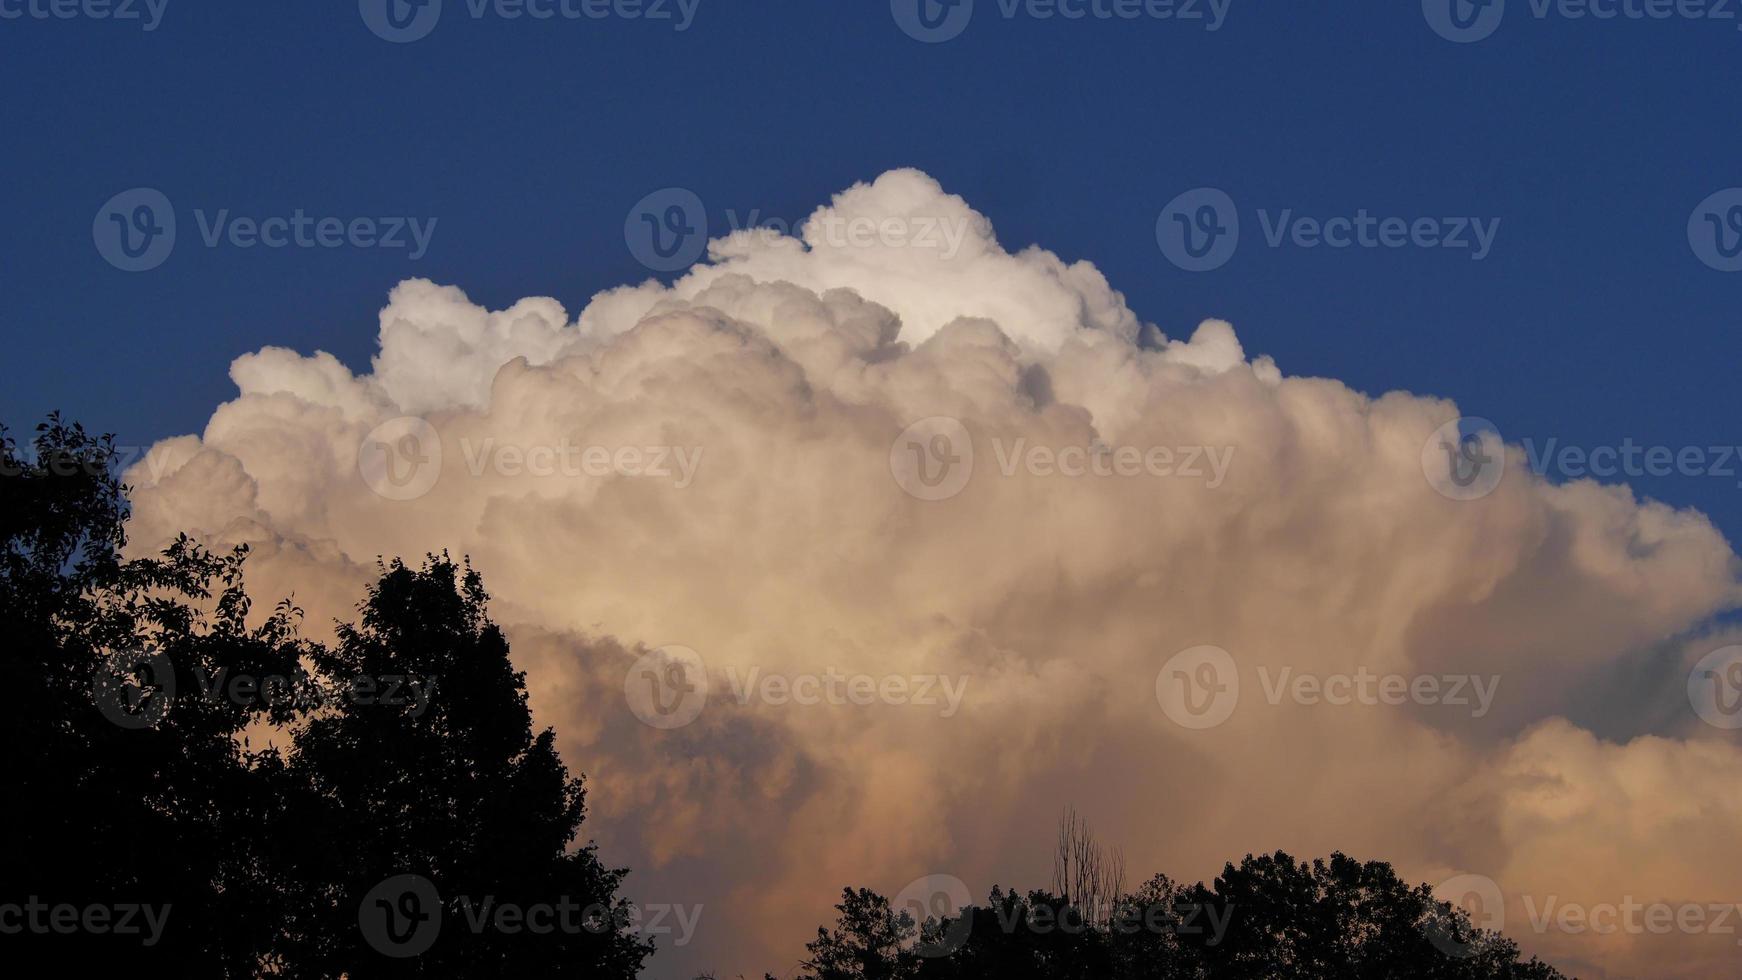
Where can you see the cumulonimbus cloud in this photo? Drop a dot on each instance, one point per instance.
(1128, 497)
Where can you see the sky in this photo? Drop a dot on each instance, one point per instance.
(1539, 231)
(528, 141)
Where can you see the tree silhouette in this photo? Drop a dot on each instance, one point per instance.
(1341, 918)
(114, 805)
(871, 941)
(133, 685)
(1086, 874)
(452, 787)
(1267, 919)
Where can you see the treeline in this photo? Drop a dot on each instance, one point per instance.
(1269, 918)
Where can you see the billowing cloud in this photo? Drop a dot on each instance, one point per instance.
(968, 508)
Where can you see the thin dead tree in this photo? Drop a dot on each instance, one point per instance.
(1088, 876)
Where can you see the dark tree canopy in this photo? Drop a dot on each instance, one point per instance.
(134, 686)
(167, 815)
(1270, 918)
(454, 787)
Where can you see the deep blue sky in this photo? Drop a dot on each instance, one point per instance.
(1592, 141)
